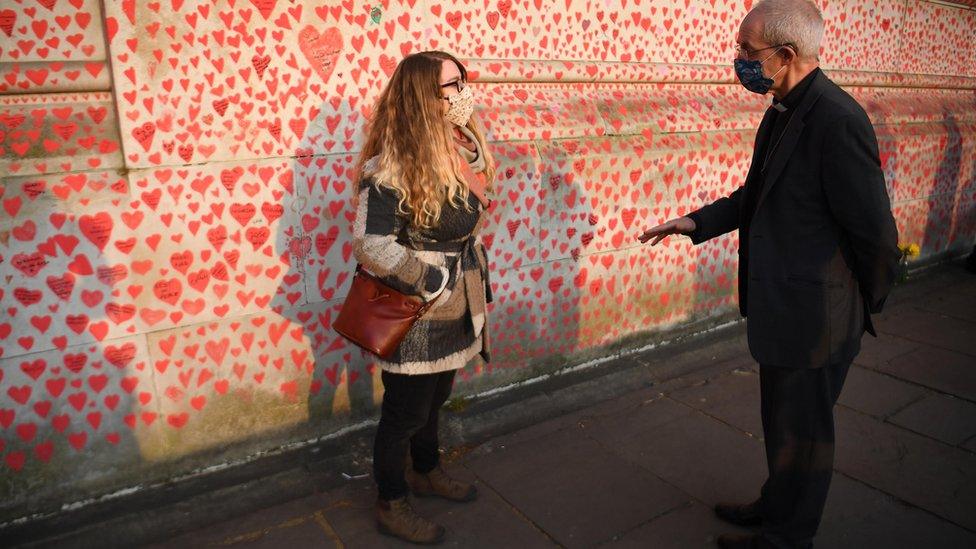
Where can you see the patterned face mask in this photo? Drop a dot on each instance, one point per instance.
(750, 74)
(462, 105)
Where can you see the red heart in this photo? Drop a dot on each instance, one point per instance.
(96, 228)
(321, 50)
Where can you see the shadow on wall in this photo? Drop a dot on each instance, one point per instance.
(962, 215)
(964, 224)
(943, 201)
(339, 382)
(879, 114)
(333, 379)
(94, 408)
(533, 236)
(75, 388)
(536, 290)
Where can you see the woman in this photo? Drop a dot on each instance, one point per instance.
(425, 177)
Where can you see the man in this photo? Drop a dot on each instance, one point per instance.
(817, 255)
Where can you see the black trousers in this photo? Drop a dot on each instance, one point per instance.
(408, 421)
(798, 425)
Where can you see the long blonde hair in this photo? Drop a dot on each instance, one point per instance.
(413, 143)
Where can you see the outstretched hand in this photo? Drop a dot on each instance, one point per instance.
(681, 225)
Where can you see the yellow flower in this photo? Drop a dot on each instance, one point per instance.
(909, 249)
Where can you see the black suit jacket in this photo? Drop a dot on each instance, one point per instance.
(819, 251)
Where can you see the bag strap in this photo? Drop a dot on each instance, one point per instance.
(420, 310)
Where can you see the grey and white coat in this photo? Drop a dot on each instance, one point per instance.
(447, 262)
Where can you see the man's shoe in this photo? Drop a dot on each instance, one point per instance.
(398, 519)
(738, 541)
(740, 514)
(438, 483)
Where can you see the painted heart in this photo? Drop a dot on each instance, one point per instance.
(119, 313)
(96, 228)
(144, 135)
(321, 49)
(168, 290)
(264, 7)
(29, 264)
(242, 212)
(62, 286)
(8, 18)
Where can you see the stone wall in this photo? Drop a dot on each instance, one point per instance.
(175, 222)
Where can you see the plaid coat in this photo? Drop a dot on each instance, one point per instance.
(447, 262)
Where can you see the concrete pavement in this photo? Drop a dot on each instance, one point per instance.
(642, 469)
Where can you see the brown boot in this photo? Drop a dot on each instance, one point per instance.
(438, 483)
(398, 519)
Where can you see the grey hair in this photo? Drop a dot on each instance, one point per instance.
(795, 22)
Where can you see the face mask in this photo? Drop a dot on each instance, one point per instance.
(750, 74)
(462, 105)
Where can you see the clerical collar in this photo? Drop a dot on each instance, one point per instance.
(795, 95)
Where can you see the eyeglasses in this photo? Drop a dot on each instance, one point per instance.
(741, 51)
(456, 84)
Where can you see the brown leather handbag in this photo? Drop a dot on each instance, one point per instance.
(375, 316)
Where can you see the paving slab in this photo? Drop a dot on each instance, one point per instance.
(941, 417)
(689, 527)
(623, 404)
(959, 305)
(573, 488)
(700, 455)
(931, 475)
(934, 329)
(730, 353)
(970, 445)
(876, 352)
(697, 377)
(858, 516)
(733, 397)
(920, 287)
(486, 522)
(966, 286)
(290, 524)
(940, 369)
(877, 394)
(629, 424)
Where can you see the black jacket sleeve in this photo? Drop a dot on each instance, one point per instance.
(854, 186)
(718, 218)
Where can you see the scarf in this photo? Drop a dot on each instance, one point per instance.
(474, 158)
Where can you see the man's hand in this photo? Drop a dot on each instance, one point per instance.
(681, 225)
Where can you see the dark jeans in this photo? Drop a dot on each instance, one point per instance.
(411, 408)
(798, 425)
